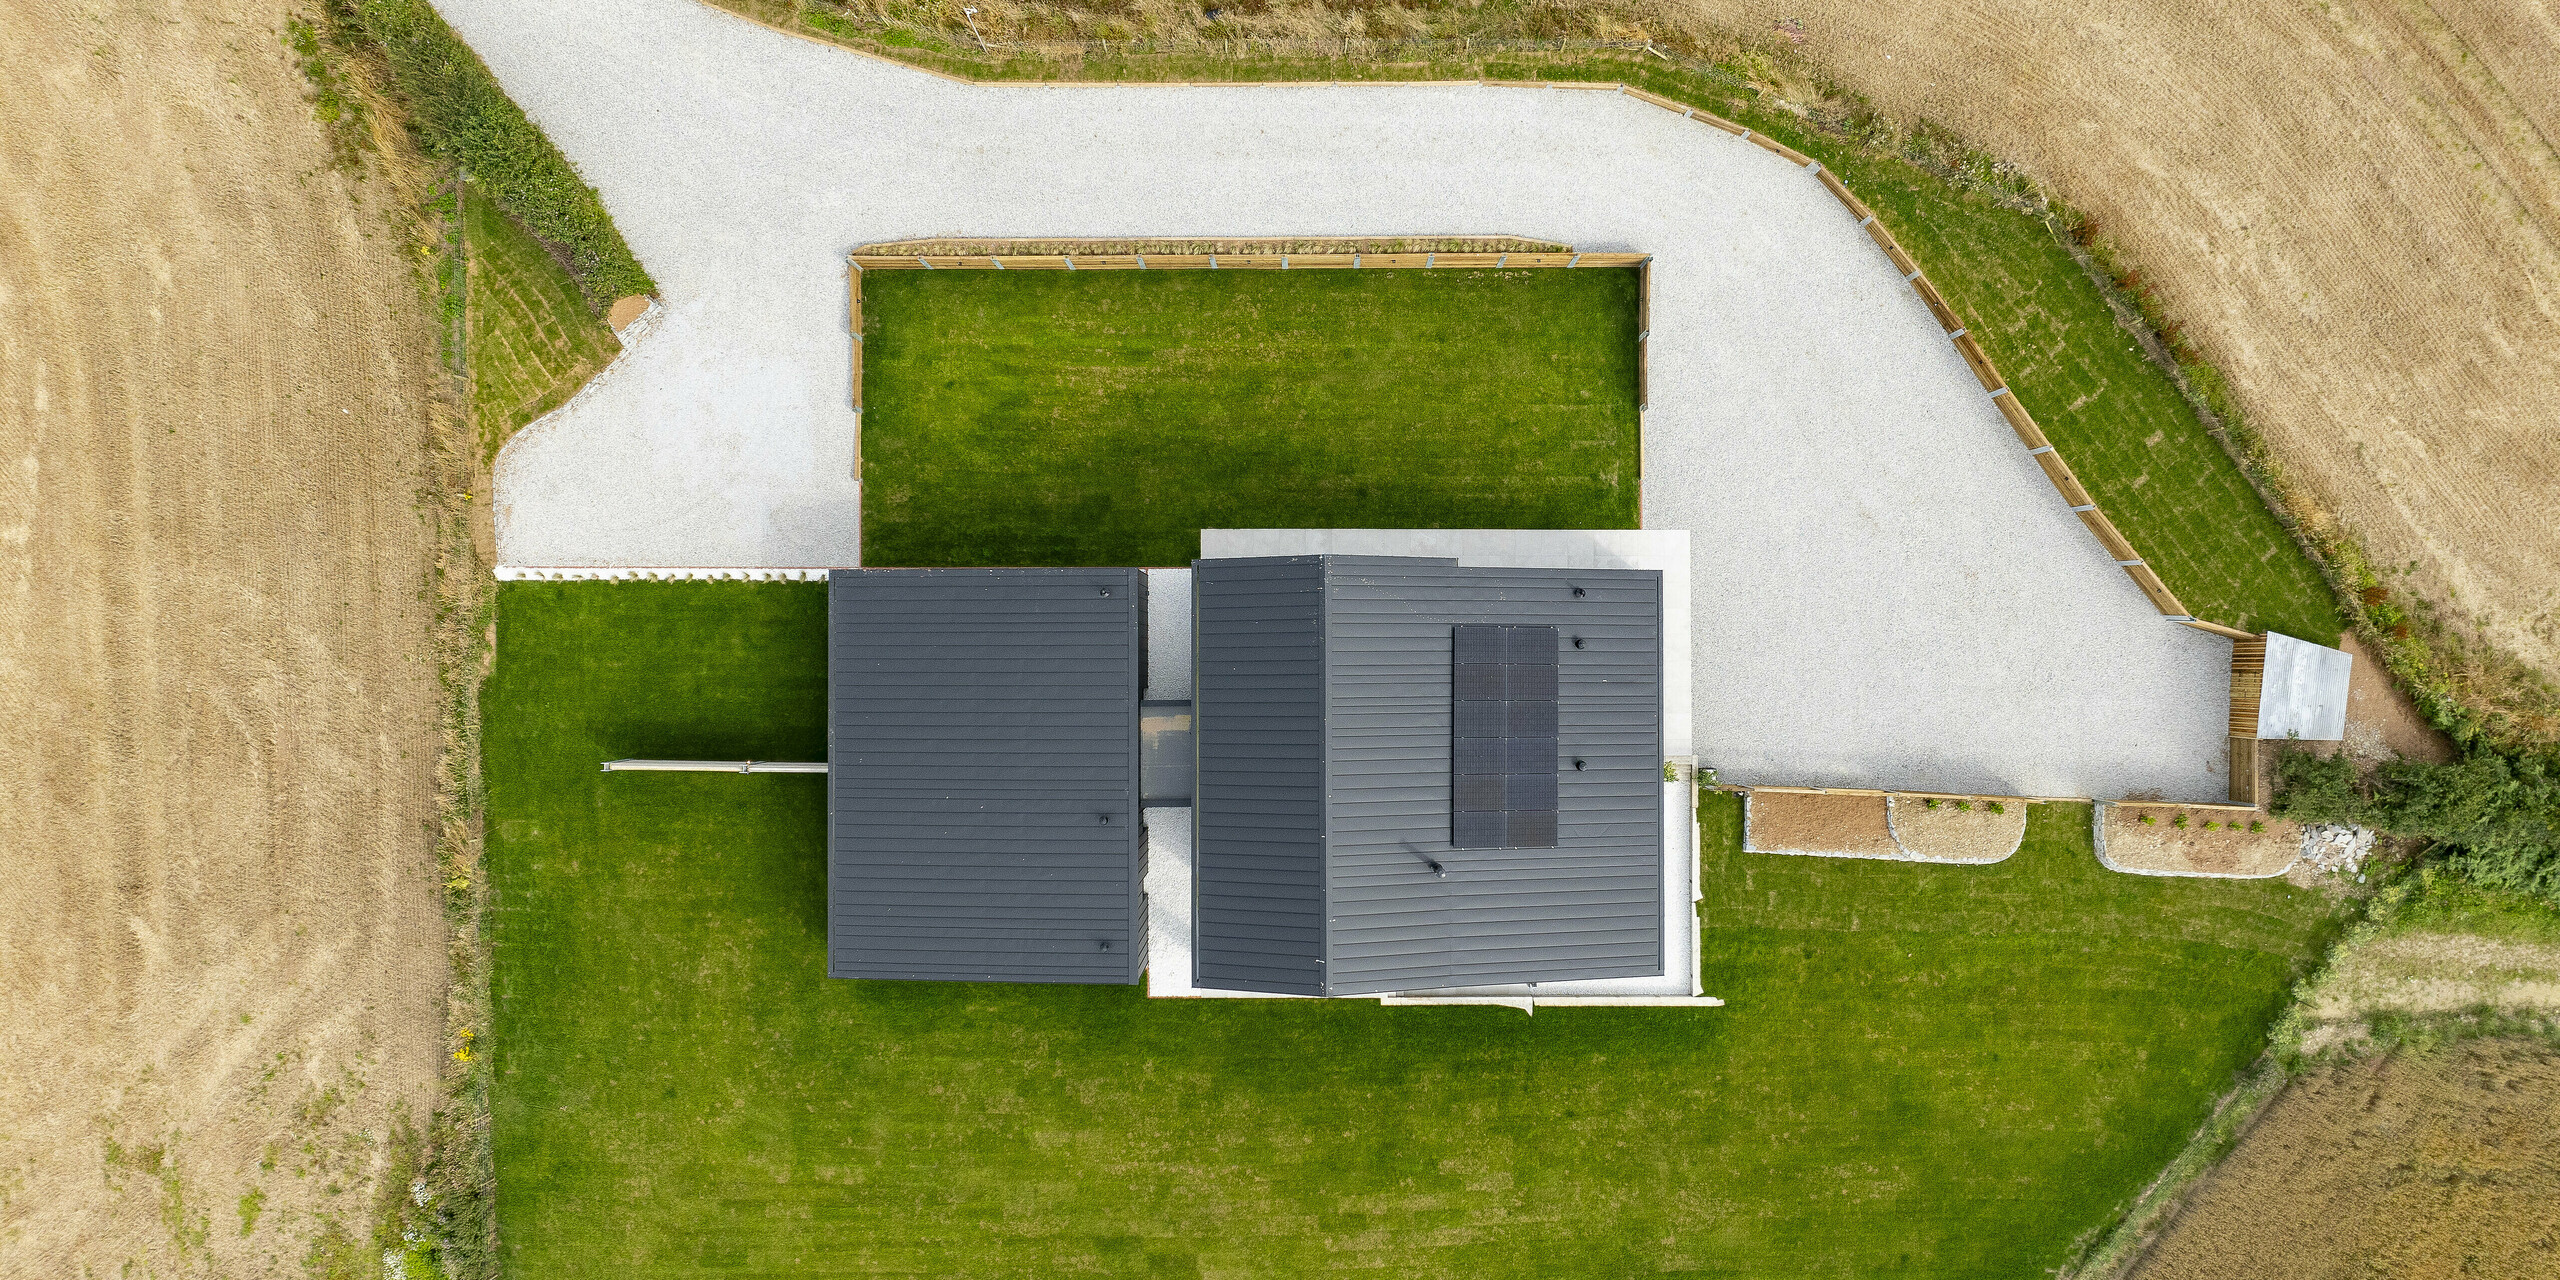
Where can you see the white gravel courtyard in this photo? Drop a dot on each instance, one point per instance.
(1886, 591)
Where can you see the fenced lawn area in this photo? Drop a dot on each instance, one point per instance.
(1106, 417)
(1923, 1070)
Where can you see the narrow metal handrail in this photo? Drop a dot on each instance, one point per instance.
(715, 766)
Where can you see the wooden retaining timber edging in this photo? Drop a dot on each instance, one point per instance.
(2248, 682)
(1739, 788)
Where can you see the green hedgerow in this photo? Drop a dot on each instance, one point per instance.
(2493, 817)
(462, 115)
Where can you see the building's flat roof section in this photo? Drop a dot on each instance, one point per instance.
(1324, 864)
(983, 793)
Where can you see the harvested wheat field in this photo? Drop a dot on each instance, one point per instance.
(2410, 1164)
(222, 964)
(2353, 208)
(1936, 829)
(2175, 840)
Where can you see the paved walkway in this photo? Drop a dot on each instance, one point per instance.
(1887, 592)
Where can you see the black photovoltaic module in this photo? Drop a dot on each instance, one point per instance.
(1502, 759)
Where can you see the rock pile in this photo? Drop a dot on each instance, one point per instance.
(2339, 849)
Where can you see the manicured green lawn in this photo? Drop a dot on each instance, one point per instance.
(1052, 417)
(1924, 1071)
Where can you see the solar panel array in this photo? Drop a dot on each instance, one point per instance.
(1502, 759)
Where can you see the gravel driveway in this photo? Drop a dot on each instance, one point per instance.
(1887, 592)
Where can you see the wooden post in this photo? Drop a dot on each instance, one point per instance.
(1644, 331)
(853, 324)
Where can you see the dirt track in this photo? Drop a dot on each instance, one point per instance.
(2354, 207)
(221, 950)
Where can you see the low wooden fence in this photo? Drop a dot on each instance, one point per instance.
(2236, 806)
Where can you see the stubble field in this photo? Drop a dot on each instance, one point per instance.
(2415, 1163)
(222, 966)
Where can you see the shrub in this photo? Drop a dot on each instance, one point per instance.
(1964, 805)
(1928, 804)
(2492, 817)
(2256, 825)
(460, 114)
(1996, 807)
(2180, 822)
(2210, 825)
(2148, 820)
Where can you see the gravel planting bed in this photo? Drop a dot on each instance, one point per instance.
(1950, 834)
(1889, 592)
(2163, 847)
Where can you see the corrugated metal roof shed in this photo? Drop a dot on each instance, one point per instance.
(983, 809)
(1324, 708)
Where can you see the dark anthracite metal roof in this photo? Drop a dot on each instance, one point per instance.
(1324, 718)
(982, 804)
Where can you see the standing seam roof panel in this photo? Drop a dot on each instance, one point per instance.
(1378, 917)
(983, 814)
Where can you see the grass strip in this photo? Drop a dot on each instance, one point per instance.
(1066, 418)
(461, 115)
(1924, 1070)
(533, 340)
